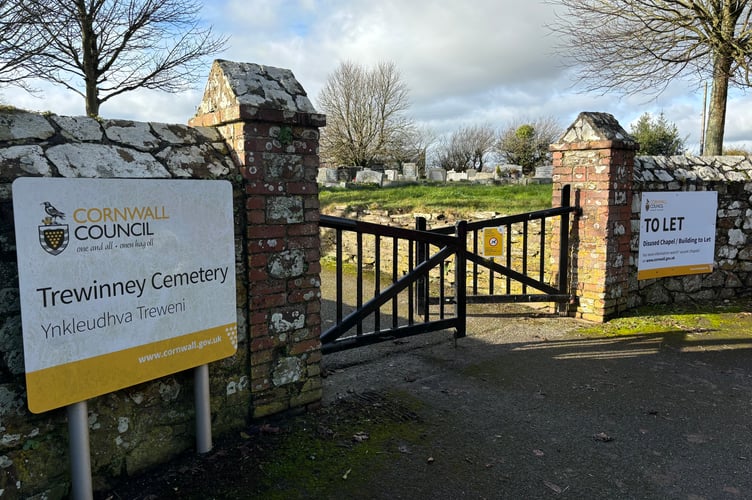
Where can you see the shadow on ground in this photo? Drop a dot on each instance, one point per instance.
(524, 407)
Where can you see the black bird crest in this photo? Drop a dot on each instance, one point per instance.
(53, 212)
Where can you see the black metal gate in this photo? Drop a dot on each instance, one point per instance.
(398, 282)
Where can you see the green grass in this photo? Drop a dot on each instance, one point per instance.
(715, 319)
(317, 456)
(458, 198)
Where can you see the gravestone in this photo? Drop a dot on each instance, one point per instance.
(453, 176)
(327, 176)
(391, 175)
(346, 174)
(436, 175)
(369, 177)
(544, 172)
(410, 170)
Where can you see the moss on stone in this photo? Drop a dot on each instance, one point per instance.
(727, 319)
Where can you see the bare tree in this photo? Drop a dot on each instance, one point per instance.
(480, 140)
(449, 156)
(365, 114)
(526, 143)
(642, 45)
(17, 44)
(466, 148)
(411, 145)
(103, 48)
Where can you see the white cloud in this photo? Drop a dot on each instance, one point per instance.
(45, 98)
(485, 61)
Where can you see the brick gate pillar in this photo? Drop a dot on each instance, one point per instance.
(596, 157)
(272, 131)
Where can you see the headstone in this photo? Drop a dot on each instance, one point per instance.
(510, 170)
(471, 173)
(369, 177)
(544, 172)
(436, 175)
(327, 176)
(410, 170)
(453, 176)
(346, 174)
(391, 175)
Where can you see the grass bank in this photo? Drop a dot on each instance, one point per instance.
(460, 198)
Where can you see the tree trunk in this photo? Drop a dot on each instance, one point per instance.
(90, 58)
(717, 108)
(722, 60)
(92, 102)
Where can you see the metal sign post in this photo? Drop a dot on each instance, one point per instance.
(80, 455)
(203, 409)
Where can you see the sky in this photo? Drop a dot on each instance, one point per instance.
(465, 63)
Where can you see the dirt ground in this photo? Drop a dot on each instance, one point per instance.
(526, 406)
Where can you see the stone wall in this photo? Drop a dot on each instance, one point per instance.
(731, 178)
(596, 157)
(142, 425)
(256, 128)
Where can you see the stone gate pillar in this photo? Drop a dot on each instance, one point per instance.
(272, 131)
(596, 157)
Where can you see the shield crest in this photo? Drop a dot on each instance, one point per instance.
(53, 238)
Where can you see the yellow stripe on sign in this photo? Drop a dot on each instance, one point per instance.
(70, 383)
(664, 272)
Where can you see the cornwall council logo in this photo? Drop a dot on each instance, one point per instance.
(654, 204)
(53, 236)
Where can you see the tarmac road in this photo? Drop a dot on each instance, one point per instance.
(524, 408)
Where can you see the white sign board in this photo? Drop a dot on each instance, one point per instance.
(677, 233)
(121, 281)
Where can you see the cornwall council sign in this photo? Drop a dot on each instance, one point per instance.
(121, 281)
